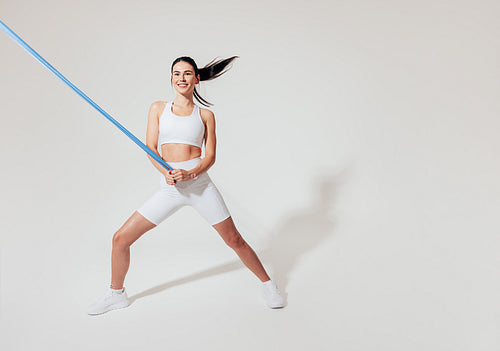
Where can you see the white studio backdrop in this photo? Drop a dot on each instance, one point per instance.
(357, 152)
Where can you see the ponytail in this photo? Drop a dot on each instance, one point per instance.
(212, 70)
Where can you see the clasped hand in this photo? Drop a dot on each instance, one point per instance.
(179, 175)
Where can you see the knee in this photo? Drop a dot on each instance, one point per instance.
(235, 241)
(120, 240)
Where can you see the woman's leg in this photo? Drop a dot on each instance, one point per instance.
(234, 240)
(129, 232)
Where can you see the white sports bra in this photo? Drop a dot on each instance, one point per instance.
(180, 129)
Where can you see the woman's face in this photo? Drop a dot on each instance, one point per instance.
(183, 78)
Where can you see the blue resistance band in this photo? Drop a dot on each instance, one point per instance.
(21, 42)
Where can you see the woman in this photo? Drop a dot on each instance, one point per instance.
(180, 127)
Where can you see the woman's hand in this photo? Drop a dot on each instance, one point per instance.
(179, 175)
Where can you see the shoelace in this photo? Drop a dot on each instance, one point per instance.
(273, 290)
(108, 294)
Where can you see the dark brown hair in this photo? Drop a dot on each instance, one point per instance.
(212, 70)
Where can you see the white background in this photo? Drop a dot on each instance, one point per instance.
(357, 152)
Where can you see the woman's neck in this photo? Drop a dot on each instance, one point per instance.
(182, 101)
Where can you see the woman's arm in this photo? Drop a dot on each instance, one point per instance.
(152, 133)
(210, 146)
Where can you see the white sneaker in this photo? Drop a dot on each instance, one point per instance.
(273, 296)
(110, 301)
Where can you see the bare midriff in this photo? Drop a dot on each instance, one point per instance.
(179, 152)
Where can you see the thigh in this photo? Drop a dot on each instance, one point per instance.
(228, 232)
(161, 205)
(226, 228)
(133, 228)
(210, 204)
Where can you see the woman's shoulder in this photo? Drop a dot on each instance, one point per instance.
(156, 110)
(159, 104)
(206, 114)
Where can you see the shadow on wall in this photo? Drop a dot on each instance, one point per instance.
(297, 235)
(305, 229)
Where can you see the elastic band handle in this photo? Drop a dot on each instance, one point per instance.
(23, 44)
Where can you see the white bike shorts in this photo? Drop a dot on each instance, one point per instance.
(200, 193)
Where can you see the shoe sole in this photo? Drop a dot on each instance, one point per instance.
(276, 307)
(271, 305)
(111, 308)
